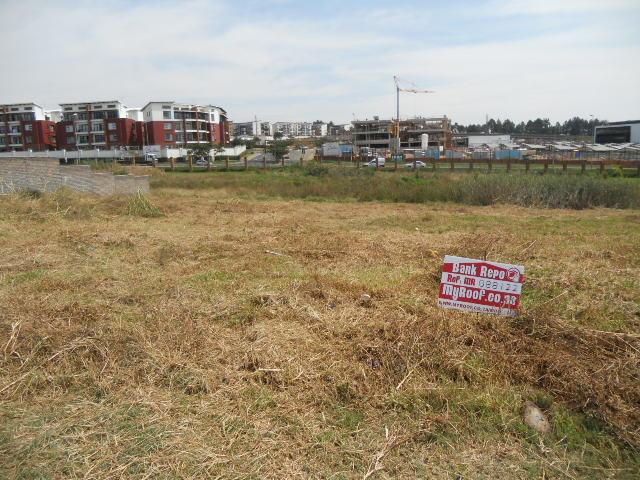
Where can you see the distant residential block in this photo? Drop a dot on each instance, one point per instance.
(24, 126)
(171, 124)
(104, 125)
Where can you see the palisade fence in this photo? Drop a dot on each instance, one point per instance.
(449, 160)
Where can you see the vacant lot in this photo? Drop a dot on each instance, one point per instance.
(208, 333)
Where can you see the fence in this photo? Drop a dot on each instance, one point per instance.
(490, 162)
(47, 175)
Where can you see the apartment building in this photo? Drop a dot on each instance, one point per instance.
(169, 124)
(339, 132)
(293, 129)
(378, 133)
(245, 129)
(319, 129)
(252, 129)
(97, 125)
(24, 126)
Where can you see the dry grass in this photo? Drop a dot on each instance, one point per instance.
(226, 339)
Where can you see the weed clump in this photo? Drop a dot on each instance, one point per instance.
(141, 206)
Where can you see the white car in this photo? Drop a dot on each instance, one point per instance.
(416, 164)
(372, 163)
(201, 162)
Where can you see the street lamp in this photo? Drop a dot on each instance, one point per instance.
(75, 134)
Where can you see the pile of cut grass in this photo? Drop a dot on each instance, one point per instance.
(322, 182)
(227, 339)
(141, 206)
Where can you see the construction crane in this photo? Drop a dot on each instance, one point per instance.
(399, 89)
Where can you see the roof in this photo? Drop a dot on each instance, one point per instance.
(15, 104)
(87, 103)
(610, 124)
(190, 104)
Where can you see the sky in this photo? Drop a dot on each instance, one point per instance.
(330, 60)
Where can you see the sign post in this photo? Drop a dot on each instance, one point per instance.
(480, 286)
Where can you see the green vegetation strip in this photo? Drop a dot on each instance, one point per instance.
(323, 182)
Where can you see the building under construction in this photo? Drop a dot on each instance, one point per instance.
(379, 134)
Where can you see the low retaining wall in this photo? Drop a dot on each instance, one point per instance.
(47, 175)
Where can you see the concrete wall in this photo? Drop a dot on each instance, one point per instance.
(47, 175)
(74, 154)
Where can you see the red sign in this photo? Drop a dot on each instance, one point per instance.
(480, 286)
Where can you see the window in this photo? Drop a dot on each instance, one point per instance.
(168, 137)
(83, 138)
(82, 127)
(97, 127)
(111, 126)
(15, 129)
(180, 137)
(28, 108)
(112, 114)
(71, 140)
(111, 106)
(66, 109)
(28, 139)
(14, 109)
(68, 128)
(97, 107)
(168, 126)
(81, 116)
(98, 138)
(99, 115)
(1, 140)
(28, 127)
(166, 107)
(166, 115)
(113, 137)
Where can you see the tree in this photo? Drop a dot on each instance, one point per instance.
(200, 149)
(278, 148)
(277, 135)
(508, 126)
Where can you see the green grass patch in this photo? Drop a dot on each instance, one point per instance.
(320, 181)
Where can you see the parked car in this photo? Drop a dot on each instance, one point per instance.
(416, 164)
(201, 162)
(372, 163)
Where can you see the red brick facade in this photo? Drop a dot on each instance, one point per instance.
(157, 134)
(117, 133)
(36, 135)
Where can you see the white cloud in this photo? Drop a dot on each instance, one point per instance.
(545, 7)
(289, 67)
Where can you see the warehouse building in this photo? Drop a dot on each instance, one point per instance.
(618, 132)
